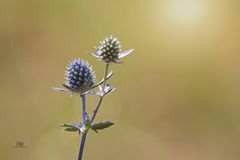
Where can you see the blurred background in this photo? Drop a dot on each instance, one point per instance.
(177, 95)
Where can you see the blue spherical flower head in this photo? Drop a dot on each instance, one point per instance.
(79, 76)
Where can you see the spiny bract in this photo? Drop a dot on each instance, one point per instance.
(79, 76)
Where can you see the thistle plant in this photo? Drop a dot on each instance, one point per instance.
(81, 81)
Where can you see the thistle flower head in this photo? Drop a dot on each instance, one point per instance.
(79, 76)
(109, 50)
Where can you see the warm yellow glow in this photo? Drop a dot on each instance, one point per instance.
(184, 11)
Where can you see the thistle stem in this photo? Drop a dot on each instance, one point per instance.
(83, 107)
(84, 135)
(105, 75)
(97, 108)
(101, 98)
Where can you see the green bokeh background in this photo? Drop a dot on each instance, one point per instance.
(177, 95)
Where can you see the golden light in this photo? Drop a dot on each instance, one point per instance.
(184, 11)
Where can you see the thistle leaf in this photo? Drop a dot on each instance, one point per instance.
(117, 61)
(70, 88)
(125, 53)
(101, 125)
(63, 90)
(94, 55)
(72, 127)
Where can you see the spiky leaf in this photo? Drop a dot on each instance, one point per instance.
(101, 125)
(73, 127)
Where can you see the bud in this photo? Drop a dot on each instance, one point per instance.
(79, 76)
(109, 50)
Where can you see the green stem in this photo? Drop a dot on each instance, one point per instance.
(105, 75)
(101, 98)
